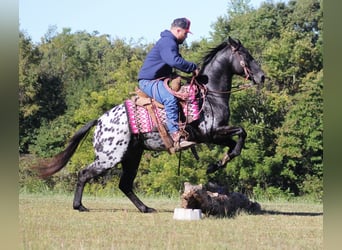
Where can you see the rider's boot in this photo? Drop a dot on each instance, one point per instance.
(179, 142)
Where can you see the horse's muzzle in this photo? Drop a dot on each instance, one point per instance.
(258, 78)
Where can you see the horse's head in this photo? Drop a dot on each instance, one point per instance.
(243, 63)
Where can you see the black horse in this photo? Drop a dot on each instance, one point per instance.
(114, 143)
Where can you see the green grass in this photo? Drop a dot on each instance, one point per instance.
(49, 222)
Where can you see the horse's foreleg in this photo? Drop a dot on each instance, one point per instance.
(129, 171)
(223, 136)
(242, 134)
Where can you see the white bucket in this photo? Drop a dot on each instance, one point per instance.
(187, 214)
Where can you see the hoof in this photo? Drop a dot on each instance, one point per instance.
(81, 208)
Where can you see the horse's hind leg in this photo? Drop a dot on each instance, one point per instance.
(84, 176)
(129, 171)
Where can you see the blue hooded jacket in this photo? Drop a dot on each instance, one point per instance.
(163, 57)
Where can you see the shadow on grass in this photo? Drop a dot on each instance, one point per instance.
(132, 210)
(112, 210)
(273, 212)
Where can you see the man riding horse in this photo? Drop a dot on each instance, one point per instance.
(158, 65)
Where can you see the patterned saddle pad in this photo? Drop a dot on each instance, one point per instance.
(141, 122)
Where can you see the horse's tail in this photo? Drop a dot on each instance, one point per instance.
(47, 168)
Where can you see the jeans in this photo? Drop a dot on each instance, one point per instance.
(156, 90)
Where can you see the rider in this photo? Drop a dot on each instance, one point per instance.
(159, 63)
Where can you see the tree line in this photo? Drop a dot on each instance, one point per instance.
(71, 77)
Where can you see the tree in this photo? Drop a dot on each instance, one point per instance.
(29, 58)
(299, 143)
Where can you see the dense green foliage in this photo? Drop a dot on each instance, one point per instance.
(70, 78)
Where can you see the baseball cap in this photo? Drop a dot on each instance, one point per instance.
(183, 23)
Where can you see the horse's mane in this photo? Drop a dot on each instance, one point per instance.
(212, 52)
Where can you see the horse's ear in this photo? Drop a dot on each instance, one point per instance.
(234, 43)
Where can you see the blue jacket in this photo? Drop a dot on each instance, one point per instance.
(163, 57)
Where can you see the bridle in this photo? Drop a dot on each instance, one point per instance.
(246, 69)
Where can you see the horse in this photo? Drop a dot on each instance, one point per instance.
(114, 143)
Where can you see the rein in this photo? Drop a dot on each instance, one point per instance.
(236, 89)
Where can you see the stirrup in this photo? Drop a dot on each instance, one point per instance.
(186, 144)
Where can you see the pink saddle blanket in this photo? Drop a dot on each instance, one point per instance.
(141, 122)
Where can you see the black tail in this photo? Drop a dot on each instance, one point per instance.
(49, 167)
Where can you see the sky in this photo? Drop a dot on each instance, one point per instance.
(140, 20)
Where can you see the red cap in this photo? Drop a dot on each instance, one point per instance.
(183, 23)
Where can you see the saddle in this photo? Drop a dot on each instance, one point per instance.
(145, 114)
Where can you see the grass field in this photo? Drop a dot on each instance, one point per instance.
(49, 222)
